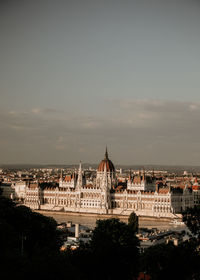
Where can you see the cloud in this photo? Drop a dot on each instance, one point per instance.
(36, 110)
(153, 113)
(60, 143)
(152, 131)
(44, 111)
(129, 114)
(60, 139)
(194, 107)
(60, 147)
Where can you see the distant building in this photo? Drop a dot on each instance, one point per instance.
(7, 190)
(20, 189)
(141, 194)
(141, 182)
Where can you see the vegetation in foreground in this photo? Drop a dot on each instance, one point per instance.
(30, 248)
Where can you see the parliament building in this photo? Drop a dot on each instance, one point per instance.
(105, 196)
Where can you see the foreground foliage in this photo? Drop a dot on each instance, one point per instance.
(115, 246)
(30, 242)
(192, 219)
(133, 222)
(167, 261)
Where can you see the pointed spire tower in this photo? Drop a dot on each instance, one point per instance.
(143, 175)
(106, 153)
(80, 176)
(130, 176)
(106, 173)
(61, 179)
(106, 161)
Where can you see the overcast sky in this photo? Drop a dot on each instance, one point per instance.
(78, 75)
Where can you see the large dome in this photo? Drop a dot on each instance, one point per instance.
(106, 161)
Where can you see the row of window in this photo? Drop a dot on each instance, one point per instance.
(90, 204)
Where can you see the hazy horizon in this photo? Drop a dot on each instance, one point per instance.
(95, 164)
(79, 75)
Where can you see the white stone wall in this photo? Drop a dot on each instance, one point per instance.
(143, 186)
(93, 201)
(98, 199)
(67, 184)
(20, 189)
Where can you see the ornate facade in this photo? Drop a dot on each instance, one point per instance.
(106, 196)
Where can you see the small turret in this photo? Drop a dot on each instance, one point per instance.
(80, 177)
(143, 175)
(106, 153)
(157, 187)
(130, 177)
(170, 188)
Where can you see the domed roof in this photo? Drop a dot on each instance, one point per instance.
(106, 161)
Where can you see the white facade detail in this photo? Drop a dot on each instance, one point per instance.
(20, 189)
(103, 197)
(141, 183)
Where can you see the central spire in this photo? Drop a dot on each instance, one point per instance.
(109, 165)
(106, 153)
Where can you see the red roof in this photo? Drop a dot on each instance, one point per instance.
(68, 178)
(106, 161)
(195, 188)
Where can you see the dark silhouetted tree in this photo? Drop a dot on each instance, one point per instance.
(192, 219)
(133, 221)
(114, 248)
(167, 261)
(29, 245)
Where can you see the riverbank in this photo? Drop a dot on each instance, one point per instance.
(90, 219)
(99, 216)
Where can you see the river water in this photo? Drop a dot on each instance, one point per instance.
(90, 220)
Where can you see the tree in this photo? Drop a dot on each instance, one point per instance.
(114, 246)
(28, 231)
(30, 243)
(167, 261)
(192, 219)
(133, 221)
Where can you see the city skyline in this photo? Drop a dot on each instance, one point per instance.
(79, 75)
